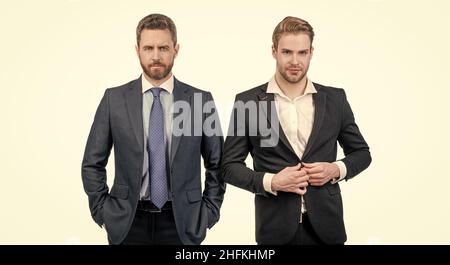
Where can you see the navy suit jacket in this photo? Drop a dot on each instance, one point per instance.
(277, 217)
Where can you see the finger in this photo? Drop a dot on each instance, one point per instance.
(299, 185)
(302, 184)
(301, 191)
(315, 169)
(309, 165)
(316, 176)
(297, 174)
(320, 182)
(316, 182)
(304, 178)
(316, 179)
(294, 168)
(298, 191)
(302, 172)
(299, 179)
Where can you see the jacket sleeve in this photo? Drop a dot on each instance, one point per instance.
(357, 155)
(211, 149)
(96, 154)
(236, 149)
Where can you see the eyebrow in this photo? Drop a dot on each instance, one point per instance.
(288, 50)
(159, 46)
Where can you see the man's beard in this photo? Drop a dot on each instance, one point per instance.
(157, 74)
(293, 79)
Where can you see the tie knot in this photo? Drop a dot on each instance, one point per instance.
(156, 91)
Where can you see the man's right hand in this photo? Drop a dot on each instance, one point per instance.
(291, 179)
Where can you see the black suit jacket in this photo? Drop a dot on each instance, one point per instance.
(277, 217)
(118, 123)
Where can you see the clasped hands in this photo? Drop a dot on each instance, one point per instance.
(295, 179)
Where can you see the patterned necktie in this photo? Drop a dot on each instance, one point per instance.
(157, 152)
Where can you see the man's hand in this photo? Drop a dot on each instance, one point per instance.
(321, 172)
(291, 179)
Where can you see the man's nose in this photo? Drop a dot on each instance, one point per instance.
(294, 59)
(155, 55)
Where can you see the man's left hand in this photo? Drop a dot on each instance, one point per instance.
(321, 172)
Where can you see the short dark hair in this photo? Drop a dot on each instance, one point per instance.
(292, 25)
(156, 21)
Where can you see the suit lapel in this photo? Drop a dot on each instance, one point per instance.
(320, 100)
(134, 106)
(180, 93)
(268, 98)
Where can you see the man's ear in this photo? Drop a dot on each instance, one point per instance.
(137, 49)
(176, 48)
(274, 52)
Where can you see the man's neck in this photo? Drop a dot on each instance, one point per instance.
(289, 89)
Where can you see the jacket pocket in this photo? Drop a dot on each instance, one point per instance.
(194, 195)
(119, 191)
(333, 189)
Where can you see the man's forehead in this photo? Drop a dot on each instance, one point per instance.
(294, 41)
(155, 42)
(156, 37)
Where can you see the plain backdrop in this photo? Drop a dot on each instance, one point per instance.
(391, 57)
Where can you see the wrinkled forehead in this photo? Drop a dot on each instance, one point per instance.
(156, 37)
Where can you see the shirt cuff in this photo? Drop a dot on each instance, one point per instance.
(342, 172)
(267, 182)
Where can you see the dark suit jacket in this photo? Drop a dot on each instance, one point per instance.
(277, 217)
(118, 124)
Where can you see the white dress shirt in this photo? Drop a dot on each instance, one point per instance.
(296, 118)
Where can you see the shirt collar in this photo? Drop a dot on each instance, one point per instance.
(167, 85)
(273, 87)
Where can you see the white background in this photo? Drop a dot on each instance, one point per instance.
(58, 57)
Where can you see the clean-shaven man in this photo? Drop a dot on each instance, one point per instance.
(294, 178)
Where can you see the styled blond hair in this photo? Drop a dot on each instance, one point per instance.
(292, 25)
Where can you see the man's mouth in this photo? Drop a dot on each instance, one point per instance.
(294, 70)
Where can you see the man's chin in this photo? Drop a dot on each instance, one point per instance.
(157, 76)
(293, 79)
